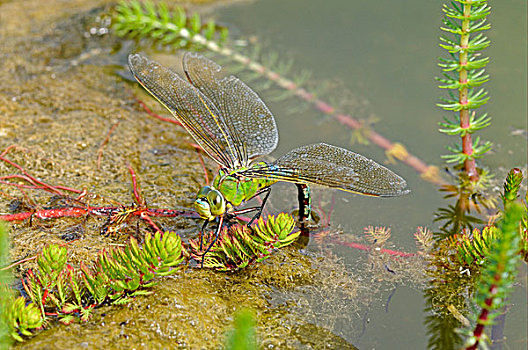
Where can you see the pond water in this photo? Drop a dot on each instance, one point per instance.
(375, 61)
(385, 54)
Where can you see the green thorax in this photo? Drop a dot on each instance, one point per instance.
(237, 189)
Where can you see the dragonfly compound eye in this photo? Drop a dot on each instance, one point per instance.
(201, 204)
(203, 209)
(203, 192)
(216, 202)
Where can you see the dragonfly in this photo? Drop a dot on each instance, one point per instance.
(232, 125)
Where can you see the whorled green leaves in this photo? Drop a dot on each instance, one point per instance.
(117, 275)
(144, 19)
(240, 246)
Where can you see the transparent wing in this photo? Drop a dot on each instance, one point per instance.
(335, 167)
(249, 120)
(195, 111)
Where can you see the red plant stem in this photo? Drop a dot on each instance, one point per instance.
(137, 197)
(20, 188)
(48, 188)
(483, 317)
(8, 149)
(36, 184)
(97, 211)
(30, 178)
(203, 166)
(105, 141)
(467, 144)
(149, 112)
(18, 262)
(368, 247)
(45, 295)
(378, 139)
(147, 218)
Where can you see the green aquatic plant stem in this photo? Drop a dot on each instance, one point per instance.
(467, 145)
(462, 73)
(498, 276)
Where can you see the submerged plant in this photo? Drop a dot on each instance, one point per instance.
(243, 334)
(462, 74)
(175, 28)
(377, 235)
(239, 246)
(458, 269)
(476, 246)
(497, 277)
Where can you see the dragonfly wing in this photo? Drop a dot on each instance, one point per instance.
(195, 111)
(249, 120)
(335, 167)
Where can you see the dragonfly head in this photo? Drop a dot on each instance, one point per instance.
(209, 203)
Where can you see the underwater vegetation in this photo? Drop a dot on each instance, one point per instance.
(470, 264)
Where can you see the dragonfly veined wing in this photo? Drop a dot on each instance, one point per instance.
(335, 167)
(197, 113)
(249, 120)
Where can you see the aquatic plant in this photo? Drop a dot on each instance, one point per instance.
(22, 318)
(462, 77)
(240, 246)
(424, 239)
(5, 281)
(512, 186)
(243, 334)
(17, 318)
(377, 236)
(475, 247)
(140, 19)
(56, 290)
(497, 277)
(462, 73)
(458, 268)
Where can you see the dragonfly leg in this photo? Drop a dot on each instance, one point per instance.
(305, 202)
(217, 233)
(267, 190)
(258, 209)
(202, 232)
